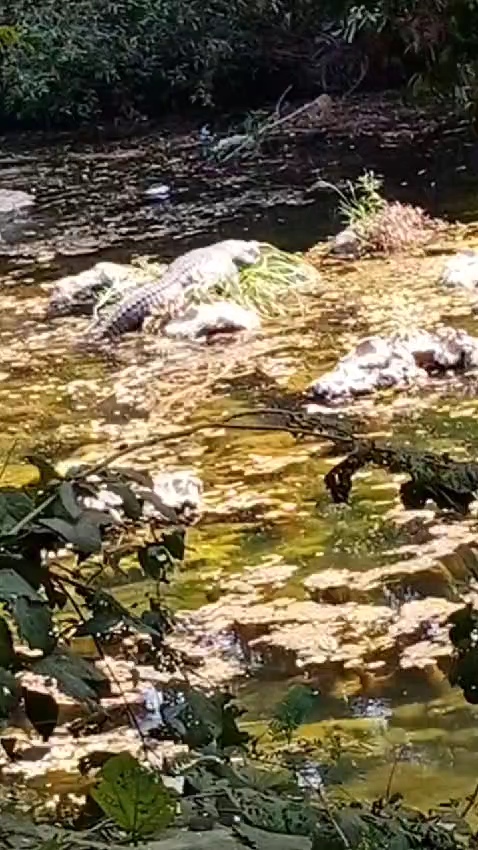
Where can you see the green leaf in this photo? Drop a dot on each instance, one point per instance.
(42, 711)
(75, 676)
(154, 561)
(67, 494)
(99, 625)
(14, 506)
(12, 586)
(175, 542)
(28, 567)
(131, 504)
(9, 692)
(64, 529)
(134, 797)
(7, 652)
(84, 536)
(34, 624)
(87, 536)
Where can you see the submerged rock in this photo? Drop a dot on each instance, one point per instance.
(381, 363)
(461, 270)
(203, 320)
(14, 201)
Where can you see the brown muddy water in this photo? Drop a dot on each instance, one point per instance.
(265, 499)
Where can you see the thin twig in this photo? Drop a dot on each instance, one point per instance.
(272, 124)
(388, 790)
(281, 100)
(471, 802)
(156, 439)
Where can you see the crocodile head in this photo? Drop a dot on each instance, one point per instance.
(244, 253)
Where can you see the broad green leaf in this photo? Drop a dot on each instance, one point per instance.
(174, 541)
(14, 506)
(30, 568)
(131, 504)
(7, 652)
(9, 692)
(99, 625)
(42, 711)
(166, 511)
(83, 535)
(67, 494)
(134, 797)
(154, 561)
(76, 677)
(87, 536)
(12, 586)
(64, 529)
(34, 624)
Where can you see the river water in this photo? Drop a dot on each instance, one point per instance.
(90, 206)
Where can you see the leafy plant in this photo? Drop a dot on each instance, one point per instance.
(51, 532)
(134, 797)
(360, 200)
(292, 712)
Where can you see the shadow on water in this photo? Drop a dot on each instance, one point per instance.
(90, 206)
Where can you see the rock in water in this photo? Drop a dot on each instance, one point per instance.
(14, 202)
(203, 320)
(461, 270)
(197, 270)
(79, 294)
(381, 363)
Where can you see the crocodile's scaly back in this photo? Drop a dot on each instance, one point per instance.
(200, 268)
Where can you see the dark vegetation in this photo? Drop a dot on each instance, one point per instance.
(64, 63)
(61, 539)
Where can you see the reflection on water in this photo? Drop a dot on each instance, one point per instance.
(90, 205)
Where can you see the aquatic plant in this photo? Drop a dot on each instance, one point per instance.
(397, 227)
(292, 712)
(274, 286)
(378, 225)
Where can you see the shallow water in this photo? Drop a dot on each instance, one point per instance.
(90, 207)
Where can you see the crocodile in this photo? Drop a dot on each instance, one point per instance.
(199, 269)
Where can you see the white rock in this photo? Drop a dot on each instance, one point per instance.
(219, 317)
(176, 488)
(461, 270)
